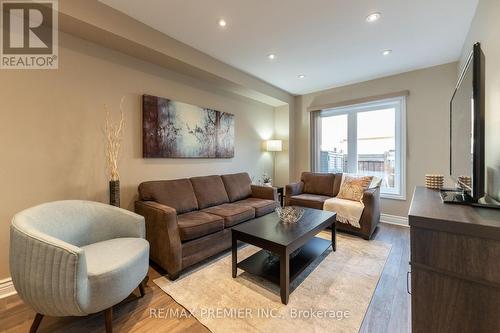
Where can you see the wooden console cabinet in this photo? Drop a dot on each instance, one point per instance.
(455, 266)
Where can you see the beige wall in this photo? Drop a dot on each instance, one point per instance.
(485, 28)
(282, 132)
(427, 122)
(51, 129)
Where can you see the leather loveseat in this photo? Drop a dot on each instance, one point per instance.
(188, 220)
(314, 188)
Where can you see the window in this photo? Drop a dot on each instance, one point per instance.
(368, 139)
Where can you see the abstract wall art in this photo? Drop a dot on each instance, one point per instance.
(178, 130)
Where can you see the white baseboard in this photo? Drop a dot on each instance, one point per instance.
(394, 219)
(7, 288)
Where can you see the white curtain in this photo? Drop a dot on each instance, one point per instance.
(315, 140)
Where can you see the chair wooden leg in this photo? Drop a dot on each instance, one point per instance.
(141, 289)
(36, 323)
(142, 285)
(108, 317)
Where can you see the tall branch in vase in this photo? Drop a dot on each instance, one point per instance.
(114, 136)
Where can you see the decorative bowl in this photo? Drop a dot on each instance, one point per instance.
(289, 214)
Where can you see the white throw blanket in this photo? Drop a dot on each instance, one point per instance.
(348, 211)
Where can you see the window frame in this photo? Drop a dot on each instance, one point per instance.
(399, 105)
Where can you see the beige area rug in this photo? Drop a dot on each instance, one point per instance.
(331, 296)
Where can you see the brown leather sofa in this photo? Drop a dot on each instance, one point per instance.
(314, 188)
(188, 220)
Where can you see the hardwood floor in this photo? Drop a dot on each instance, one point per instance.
(389, 310)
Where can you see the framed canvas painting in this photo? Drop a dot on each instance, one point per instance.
(178, 130)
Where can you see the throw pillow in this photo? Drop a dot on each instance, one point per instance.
(352, 188)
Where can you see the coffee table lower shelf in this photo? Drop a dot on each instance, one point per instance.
(259, 264)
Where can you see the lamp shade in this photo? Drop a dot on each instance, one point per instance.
(274, 145)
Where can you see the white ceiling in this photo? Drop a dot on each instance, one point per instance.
(327, 40)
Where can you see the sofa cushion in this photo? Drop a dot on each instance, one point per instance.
(232, 213)
(115, 267)
(209, 191)
(261, 206)
(198, 224)
(178, 194)
(308, 200)
(238, 186)
(318, 183)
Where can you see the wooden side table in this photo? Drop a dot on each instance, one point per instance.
(281, 194)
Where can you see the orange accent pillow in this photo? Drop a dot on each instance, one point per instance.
(352, 188)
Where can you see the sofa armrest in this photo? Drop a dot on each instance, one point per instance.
(371, 213)
(371, 196)
(293, 189)
(264, 192)
(162, 232)
(46, 270)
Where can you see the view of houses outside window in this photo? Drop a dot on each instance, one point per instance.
(374, 132)
(377, 144)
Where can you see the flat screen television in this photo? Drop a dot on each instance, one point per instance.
(467, 112)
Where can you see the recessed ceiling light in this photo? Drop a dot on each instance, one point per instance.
(301, 76)
(386, 52)
(373, 17)
(222, 23)
(271, 56)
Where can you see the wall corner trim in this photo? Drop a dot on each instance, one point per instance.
(394, 219)
(7, 288)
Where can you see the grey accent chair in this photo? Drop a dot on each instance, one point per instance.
(75, 258)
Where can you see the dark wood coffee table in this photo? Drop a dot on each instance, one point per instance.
(268, 233)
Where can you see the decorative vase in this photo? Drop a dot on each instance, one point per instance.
(268, 184)
(114, 193)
